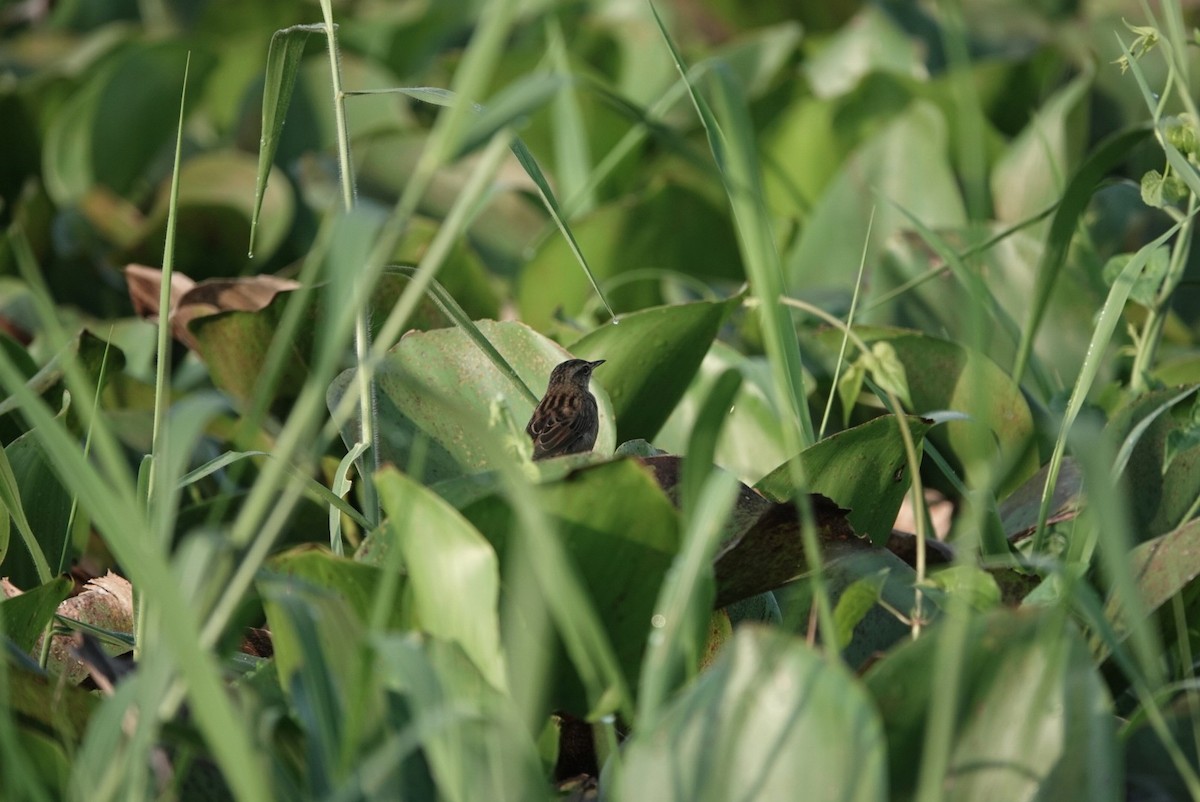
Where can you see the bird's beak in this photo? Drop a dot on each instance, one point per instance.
(597, 363)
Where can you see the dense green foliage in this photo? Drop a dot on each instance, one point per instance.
(873, 256)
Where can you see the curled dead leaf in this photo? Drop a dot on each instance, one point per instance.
(191, 300)
(105, 602)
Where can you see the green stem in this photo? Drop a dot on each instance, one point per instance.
(369, 461)
(1156, 319)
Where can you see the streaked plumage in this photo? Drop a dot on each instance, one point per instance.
(566, 420)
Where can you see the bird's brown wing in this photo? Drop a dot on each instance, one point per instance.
(556, 428)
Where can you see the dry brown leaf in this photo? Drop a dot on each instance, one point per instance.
(145, 284)
(105, 602)
(191, 299)
(214, 296)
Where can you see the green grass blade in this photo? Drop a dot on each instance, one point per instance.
(685, 601)
(1110, 315)
(733, 150)
(283, 61)
(122, 523)
(460, 318)
(841, 360)
(572, 159)
(444, 97)
(736, 157)
(1103, 159)
(968, 278)
(159, 447)
(474, 73)
(10, 497)
(362, 278)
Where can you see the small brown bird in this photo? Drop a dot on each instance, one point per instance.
(566, 421)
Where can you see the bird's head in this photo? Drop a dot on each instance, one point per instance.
(574, 372)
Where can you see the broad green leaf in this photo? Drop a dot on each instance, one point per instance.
(235, 344)
(99, 359)
(319, 654)
(1019, 511)
(91, 139)
(734, 145)
(1183, 439)
(450, 309)
(474, 743)
(854, 604)
(650, 358)
(1159, 190)
(1107, 155)
(760, 609)
(630, 259)
(1149, 279)
(1179, 442)
(621, 551)
(41, 513)
(871, 42)
(46, 759)
(968, 584)
(501, 229)
(14, 512)
(906, 163)
(440, 388)
(451, 570)
(805, 125)
(215, 215)
(463, 275)
(516, 104)
(943, 375)
(872, 628)
(1034, 172)
(751, 442)
(24, 617)
(1032, 719)
(1159, 494)
(769, 717)
(53, 706)
(1178, 369)
(352, 582)
(862, 469)
(1162, 568)
(1150, 766)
